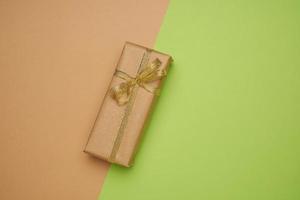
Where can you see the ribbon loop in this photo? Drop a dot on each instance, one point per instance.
(122, 92)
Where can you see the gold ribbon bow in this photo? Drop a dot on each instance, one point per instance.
(122, 92)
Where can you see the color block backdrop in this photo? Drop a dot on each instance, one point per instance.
(227, 123)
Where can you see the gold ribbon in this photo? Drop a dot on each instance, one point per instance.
(122, 92)
(125, 92)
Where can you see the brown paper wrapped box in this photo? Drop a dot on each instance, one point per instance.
(128, 101)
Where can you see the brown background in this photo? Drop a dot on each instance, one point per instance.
(56, 61)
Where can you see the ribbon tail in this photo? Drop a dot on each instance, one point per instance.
(121, 93)
(154, 91)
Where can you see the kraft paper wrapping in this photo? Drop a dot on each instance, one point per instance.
(107, 129)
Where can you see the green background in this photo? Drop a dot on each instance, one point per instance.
(227, 124)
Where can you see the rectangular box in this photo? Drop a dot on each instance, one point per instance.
(128, 101)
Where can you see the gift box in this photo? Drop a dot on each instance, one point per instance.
(133, 89)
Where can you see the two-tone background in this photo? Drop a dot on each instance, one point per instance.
(227, 125)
